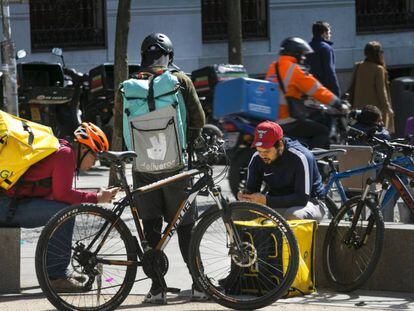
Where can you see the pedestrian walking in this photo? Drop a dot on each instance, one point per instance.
(322, 60)
(370, 85)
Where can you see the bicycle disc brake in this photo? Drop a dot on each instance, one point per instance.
(154, 260)
(246, 257)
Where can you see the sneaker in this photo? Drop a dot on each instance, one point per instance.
(159, 298)
(197, 294)
(66, 285)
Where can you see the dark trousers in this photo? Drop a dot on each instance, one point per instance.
(312, 133)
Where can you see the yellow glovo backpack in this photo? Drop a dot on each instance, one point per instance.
(22, 143)
(248, 280)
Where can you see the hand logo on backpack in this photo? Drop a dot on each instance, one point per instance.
(159, 147)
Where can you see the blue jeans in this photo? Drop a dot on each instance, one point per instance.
(36, 212)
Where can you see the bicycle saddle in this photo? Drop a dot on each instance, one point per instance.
(117, 156)
(323, 153)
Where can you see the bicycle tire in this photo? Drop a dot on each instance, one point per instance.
(339, 259)
(119, 237)
(213, 286)
(331, 206)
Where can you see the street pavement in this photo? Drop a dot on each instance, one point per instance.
(31, 297)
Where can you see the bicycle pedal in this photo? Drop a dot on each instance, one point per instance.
(173, 290)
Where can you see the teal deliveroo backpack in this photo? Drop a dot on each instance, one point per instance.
(154, 122)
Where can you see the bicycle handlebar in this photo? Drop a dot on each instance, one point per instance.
(389, 145)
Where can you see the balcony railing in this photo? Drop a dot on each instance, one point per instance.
(384, 15)
(214, 19)
(67, 23)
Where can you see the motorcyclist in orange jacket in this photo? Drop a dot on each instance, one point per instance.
(297, 84)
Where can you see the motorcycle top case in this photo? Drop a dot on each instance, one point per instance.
(206, 78)
(248, 97)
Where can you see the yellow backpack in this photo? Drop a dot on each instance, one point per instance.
(304, 231)
(277, 255)
(22, 143)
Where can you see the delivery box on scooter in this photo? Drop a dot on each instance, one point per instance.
(248, 97)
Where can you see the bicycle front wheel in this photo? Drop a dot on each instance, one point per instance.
(81, 263)
(353, 245)
(249, 275)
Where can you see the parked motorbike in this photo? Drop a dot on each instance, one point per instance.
(47, 96)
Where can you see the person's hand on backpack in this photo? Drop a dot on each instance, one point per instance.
(107, 195)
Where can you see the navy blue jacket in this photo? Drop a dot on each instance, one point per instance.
(291, 180)
(322, 64)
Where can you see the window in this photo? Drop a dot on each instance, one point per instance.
(384, 15)
(72, 24)
(214, 19)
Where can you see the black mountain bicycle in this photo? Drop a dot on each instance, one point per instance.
(354, 239)
(104, 255)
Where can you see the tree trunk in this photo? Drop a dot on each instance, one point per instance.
(234, 29)
(120, 74)
(8, 59)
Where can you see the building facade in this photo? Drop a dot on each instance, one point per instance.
(85, 29)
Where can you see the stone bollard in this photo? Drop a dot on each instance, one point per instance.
(9, 260)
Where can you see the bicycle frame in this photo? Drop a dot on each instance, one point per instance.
(335, 178)
(205, 181)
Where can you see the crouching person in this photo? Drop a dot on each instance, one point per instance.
(289, 171)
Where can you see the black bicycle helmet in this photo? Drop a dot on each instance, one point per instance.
(157, 42)
(294, 46)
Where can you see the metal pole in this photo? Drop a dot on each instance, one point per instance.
(8, 61)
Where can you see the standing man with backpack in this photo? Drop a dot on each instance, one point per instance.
(46, 188)
(162, 115)
(322, 60)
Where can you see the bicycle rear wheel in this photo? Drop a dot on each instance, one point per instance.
(102, 283)
(254, 275)
(351, 256)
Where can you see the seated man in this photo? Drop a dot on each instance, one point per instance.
(290, 173)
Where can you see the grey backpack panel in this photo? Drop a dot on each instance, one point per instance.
(155, 140)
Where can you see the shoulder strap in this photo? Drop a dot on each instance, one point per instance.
(279, 78)
(150, 97)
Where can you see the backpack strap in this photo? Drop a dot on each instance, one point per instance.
(279, 78)
(150, 97)
(28, 129)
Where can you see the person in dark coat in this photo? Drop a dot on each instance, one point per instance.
(322, 61)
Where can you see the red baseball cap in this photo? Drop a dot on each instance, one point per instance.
(267, 134)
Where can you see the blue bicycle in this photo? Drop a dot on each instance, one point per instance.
(334, 181)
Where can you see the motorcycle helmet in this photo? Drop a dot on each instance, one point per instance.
(296, 47)
(158, 44)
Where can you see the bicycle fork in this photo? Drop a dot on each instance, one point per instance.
(234, 240)
(351, 237)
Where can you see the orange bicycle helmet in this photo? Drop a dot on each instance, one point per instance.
(91, 136)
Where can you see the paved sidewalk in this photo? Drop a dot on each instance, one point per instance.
(32, 298)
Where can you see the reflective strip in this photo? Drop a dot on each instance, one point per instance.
(282, 99)
(313, 89)
(304, 160)
(288, 76)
